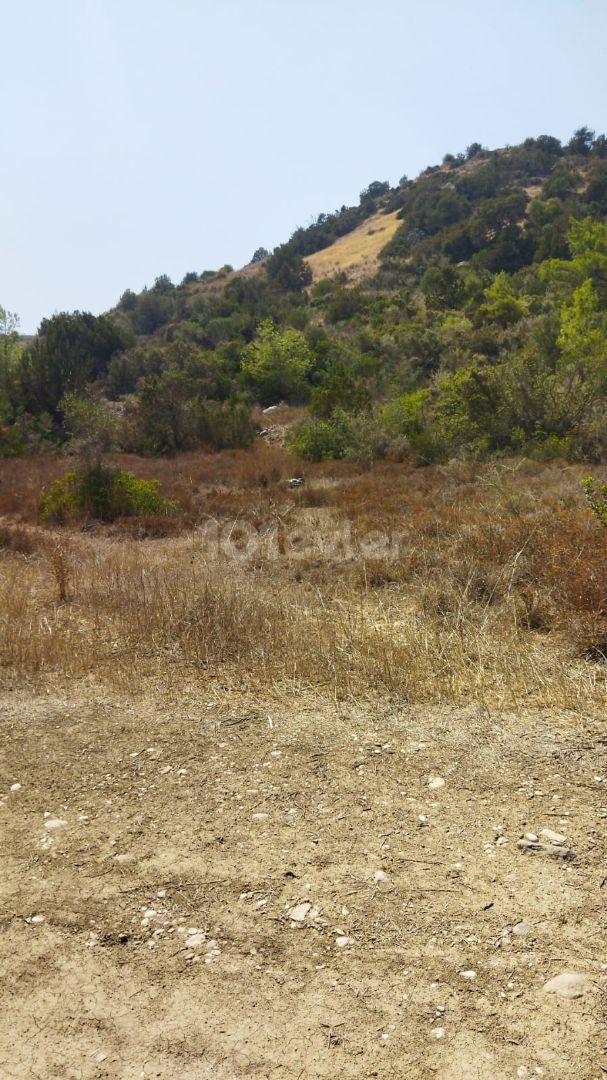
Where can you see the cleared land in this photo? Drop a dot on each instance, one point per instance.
(356, 253)
(269, 804)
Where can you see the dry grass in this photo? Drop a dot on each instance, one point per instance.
(356, 253)
(495, 592)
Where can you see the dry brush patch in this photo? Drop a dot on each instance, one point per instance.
(494, 591)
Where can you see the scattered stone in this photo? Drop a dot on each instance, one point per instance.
(213, 951)
(125, 858)
(260, 817)
(555, 851)
(553, 837)
(381, 877)
(435, 782)
(54, 823)
(195, 939)
(501, 840)
(532, 837)
(342, 941)
(438, 1033)
(570, 984)
(15, 787)
(521, 929)
(468, 974)
(300, 911)
(166, 769)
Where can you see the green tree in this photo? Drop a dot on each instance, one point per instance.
(91, 425)
(276, 364)
(9, 339)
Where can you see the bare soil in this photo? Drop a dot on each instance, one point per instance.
(234, 811)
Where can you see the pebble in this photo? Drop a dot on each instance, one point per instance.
(300, 911)
(381, 876)
(521, 929)
(343, 940)
(54, 823)
(438, 1033)
(259, 817)
(435, 782)
(195, 940)
(570, 984)
(553, 837)
(125, 858)
(15, 787)
(468, 974)
(532, 837)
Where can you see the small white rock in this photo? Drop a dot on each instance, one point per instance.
(194, 941)
(532, 837)
(125, 858)
(15, 787)
(299, 912)
(468, 974)
(259, 817)
(553, 837)
(381, 876)
(435, 782)
(54, 823)
(343, 940)
(570, 984)
(521, 929)
(438, 1033)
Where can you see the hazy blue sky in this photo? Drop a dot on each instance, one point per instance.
(142, 137)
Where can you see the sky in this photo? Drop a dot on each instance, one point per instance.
(144, 137)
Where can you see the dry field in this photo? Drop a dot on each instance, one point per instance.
(356, 253)
(265, 768)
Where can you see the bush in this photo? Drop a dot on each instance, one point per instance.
(596, 495)
(103, 493)
(321, 440)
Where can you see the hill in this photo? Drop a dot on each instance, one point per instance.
(463, 312)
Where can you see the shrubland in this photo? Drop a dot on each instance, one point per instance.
(481, 332)
(457, 583)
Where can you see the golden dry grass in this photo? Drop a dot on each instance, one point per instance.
(487, 586)
(356, 253)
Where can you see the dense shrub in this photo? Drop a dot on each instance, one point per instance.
(103, 493)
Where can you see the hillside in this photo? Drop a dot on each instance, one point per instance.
(460, 313)
(357, 253)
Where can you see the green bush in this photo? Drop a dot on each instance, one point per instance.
(102, 493)
(596, 494)
(321, 440)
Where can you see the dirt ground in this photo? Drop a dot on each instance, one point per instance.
(146, 920)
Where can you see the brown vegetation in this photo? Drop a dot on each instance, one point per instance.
(440, 585)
